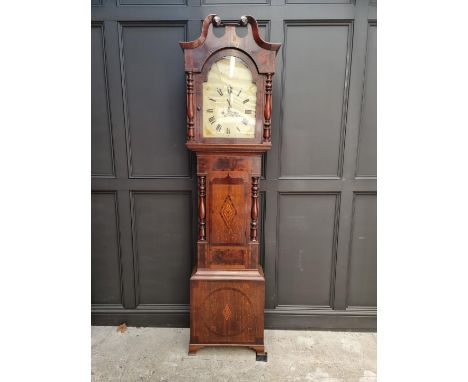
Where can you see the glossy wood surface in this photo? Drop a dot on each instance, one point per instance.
(227, 288)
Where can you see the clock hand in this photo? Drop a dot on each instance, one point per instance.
(229, 103)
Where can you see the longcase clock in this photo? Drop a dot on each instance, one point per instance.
(229, 90)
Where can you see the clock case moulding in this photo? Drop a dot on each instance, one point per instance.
(227, 286)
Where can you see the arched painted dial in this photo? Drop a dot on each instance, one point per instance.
(229, 100)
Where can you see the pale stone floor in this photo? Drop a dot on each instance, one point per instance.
(160, 354)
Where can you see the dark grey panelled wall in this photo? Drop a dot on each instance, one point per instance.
(318, 193)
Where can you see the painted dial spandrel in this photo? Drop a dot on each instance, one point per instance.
(229, 100)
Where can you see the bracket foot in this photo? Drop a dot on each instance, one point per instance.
(262, 357)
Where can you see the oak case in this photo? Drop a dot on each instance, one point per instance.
(227, 287)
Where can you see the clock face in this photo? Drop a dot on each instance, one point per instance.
(229, 100)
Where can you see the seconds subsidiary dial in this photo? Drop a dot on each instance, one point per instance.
(229, 99)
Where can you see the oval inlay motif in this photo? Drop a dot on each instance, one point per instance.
(227, 312)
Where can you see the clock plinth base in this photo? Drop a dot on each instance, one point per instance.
(226, 309)
(258, 349)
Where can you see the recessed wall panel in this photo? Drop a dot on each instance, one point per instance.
(154, 82)
(318, 1)
(314, 99)
(152, 2)
(233, 2)
(162, 243)
(362, 288)
(306, 234)
(367, 152)
(101, 141)
(105, 252)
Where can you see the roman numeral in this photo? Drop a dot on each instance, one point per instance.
(245, 101)
(209, 110)
(229, 89)
(248, 112)
(238, 129)
(220, 92)
(228, 130)
(212, 120)
(218, 128)
(238, 94)
(212, 99)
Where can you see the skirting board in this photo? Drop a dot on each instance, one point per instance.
(177, 316)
